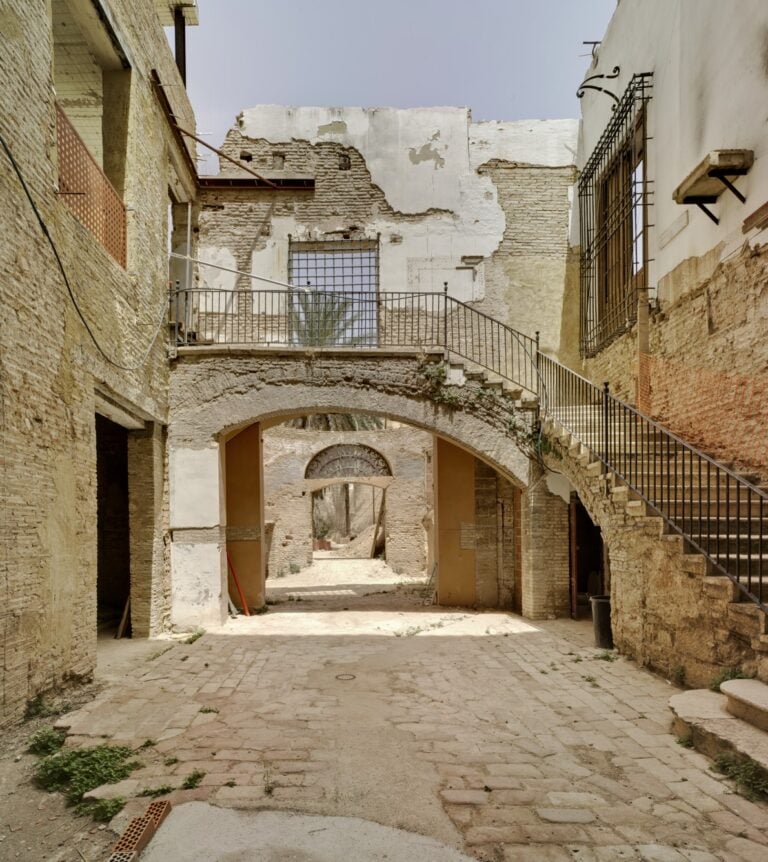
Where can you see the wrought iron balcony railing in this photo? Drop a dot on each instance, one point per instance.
(303, 317)
(87, 192)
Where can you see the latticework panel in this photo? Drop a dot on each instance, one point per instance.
(87, 192)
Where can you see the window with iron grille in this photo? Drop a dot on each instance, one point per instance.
(337, 284)
(613, 209)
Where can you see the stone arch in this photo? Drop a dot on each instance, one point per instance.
(216, 394)
(342, 460)
(219, 395)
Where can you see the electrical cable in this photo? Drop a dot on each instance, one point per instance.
(73, 298)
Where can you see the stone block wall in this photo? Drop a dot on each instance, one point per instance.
(287, 451)
(665, 614)
(49, 368)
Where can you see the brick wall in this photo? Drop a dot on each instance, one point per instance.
(545, 551)
(525, 275)
(496, 512)
(706, 376)
(49, 369)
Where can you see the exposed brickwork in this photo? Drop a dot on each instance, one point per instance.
(530, 261)
(496, 510)
(544, 525)
(48, 367)
(706, 373)
(150, 582)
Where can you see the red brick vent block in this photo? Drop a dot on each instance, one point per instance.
(139, 832)
(158, 811)
(136, 836)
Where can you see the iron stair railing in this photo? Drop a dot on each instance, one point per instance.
(719, 512)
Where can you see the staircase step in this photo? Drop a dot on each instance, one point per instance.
(747, 699)
(732, 543)
(748, 618)
(528, 404)
(702, 716)
(721, 586)
(696, 564)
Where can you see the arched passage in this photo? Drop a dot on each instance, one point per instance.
(342, 460)
(214, 402)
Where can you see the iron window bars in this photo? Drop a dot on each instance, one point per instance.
(337, 284)
(613, 210)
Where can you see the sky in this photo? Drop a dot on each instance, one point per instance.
(504, 59)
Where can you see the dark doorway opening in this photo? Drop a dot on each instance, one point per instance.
(587, 559)
(113, 573)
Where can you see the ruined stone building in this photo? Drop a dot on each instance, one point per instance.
(470, 286)
(85, 91)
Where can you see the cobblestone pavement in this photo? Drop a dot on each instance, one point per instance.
(509, 740)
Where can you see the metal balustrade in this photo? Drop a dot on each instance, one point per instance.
(719, 512)
(302, 318)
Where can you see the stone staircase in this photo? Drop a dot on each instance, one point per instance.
(729, 726)
(706, 513)
(459, 373)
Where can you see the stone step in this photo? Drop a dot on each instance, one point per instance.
(702, 716)
(747, 618)
(732, 543)
(747, 699)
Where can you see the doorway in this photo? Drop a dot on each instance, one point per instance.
(113, 567)
(587, 556)
(348, 521)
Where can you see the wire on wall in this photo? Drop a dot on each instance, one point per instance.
(47, 234)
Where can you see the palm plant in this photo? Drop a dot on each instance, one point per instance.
(320, 319)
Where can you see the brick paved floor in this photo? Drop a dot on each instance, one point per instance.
(510, 740)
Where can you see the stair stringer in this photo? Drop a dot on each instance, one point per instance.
(669, 611)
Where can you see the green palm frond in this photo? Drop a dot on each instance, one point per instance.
(320, 319)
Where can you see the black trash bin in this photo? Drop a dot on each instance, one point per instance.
(601, 620)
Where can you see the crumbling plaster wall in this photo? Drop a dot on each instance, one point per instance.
(706, 377)
(481, 206)
(287, 451)
(49, 369)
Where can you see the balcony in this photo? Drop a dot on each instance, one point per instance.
(87, 192)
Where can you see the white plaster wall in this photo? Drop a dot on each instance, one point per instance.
(426, 161)
(194, 483)
(198, 585)
(710, 66)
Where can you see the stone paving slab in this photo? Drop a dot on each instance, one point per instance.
(487, 733)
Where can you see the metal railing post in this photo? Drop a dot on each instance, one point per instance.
(605, 432)
(445, 316)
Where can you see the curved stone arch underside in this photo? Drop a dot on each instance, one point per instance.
(347, 459)
(215, 395)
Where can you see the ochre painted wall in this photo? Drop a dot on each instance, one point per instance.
(245, 507)
(454, 484)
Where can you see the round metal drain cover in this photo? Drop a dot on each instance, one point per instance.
(345, 676)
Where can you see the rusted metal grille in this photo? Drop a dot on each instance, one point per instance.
(87, 192)
(614, 193)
